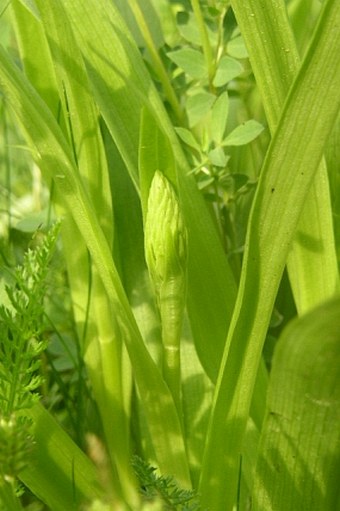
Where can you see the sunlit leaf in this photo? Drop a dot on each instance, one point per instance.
(243, 134)
(275, 60)
(285, 181)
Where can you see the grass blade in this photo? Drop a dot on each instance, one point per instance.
(312, 264)
(35, 54)
(285, 180)
(333, 166)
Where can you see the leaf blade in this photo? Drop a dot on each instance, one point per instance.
(299, 448)
(313, 273)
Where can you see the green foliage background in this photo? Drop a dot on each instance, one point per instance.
(213, 356)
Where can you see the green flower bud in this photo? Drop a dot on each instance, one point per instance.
(165, 234)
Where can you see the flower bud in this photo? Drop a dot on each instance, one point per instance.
(165, 235)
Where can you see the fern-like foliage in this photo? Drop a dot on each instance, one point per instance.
(163, 489)
(21, 344)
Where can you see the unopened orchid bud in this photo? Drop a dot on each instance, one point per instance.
(166, 257)
(165, 234)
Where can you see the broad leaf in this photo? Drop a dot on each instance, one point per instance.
(236, 48)
(299, 452)
(218, 157)
(188, 138)
(61, 474)
(122, 87)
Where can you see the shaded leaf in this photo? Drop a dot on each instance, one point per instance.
(191, 61)
(188, 138)
(217, 157)
(227, 70)
(198, 106)
(285, 180)
(237, 49)
(188, 28)
(56, 160)
(299, 453)
(122, 87)
(219, 117)
(312, 273)
(56, 456)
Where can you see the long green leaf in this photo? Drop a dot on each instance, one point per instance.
(333, 166)
(312, 264)
(79, 109)
(35, 53)
(85, 137)
(286, 178)
(55, 159)
(299, 453)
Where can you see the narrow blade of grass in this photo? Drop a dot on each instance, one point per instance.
(333, 166)
(35, 54)
(286, 178)
(8, 500)
(312, 264)
(79, 109)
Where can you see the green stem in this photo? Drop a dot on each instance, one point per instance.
(157, 61)
(220, 32)
(207, 50)
(171, 308)
(7, 165)
(166, 256)
(109, 389)
(8, 498)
